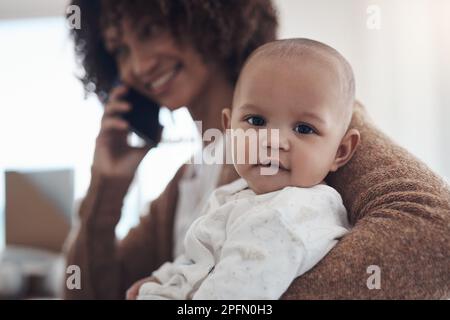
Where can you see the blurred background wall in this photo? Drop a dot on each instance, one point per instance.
(399, 49)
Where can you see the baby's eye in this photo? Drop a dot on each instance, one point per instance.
(256, 121)
(304, 129)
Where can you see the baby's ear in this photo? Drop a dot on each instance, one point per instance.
(346, 149)
(226, 118)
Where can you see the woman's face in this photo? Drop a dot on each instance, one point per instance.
(157, 66)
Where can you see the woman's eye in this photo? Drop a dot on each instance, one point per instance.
(150, 31)
(304, 129)
(256, 121)
(119, 52)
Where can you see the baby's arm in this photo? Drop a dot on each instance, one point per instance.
(133, 291)
(266, 250)
(165, 283)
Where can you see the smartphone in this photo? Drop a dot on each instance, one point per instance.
(143, 117)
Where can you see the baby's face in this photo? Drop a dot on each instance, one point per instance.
(301, 102)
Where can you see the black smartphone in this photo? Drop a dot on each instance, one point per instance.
(143, 117)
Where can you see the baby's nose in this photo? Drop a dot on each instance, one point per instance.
(276, 139)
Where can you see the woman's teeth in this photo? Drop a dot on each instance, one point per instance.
(163, 79)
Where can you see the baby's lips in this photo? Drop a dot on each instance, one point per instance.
(269, 162)
(272, 162)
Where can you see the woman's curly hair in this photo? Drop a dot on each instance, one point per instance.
(224, 31)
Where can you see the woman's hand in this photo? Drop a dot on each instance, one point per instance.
(133, 292)
(113, 157)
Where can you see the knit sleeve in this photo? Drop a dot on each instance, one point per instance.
(109, 267)
(401, 215)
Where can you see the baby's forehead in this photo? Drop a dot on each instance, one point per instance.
(294, 75)
(301, 51)
(296, 52)
(297, 63)
(302, 60)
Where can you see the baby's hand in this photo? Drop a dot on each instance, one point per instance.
(134, 289)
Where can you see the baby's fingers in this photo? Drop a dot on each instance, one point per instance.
(133, 292)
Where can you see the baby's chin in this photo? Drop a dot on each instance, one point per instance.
(262, 183)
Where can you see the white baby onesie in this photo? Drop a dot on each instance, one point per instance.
(248, 246)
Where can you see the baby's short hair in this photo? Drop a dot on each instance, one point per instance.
(298, 48)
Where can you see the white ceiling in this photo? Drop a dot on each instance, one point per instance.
(18, 9)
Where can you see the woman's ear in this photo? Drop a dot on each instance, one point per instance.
(346, 149)
(226, 118)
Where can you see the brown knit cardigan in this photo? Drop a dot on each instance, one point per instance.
(399, 209)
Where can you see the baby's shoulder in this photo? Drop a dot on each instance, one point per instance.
(223, 194)
(315, 193)
(321, 199)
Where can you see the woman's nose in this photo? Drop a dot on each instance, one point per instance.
(142, 66)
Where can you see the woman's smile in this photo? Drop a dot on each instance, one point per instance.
(162, 83)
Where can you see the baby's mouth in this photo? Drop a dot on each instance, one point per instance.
(272, 163)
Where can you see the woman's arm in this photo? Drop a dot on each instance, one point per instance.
(108, 268)
(401, 215)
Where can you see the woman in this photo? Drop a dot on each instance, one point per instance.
(189, 52)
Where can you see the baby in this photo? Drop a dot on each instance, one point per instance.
(257, 234)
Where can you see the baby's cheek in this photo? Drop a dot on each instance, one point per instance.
(309, 168)
(243, 171)
(245, 148)
(241, 159)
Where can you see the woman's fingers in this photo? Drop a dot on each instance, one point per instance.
(116, 107)
(117, 92)
(113, 123)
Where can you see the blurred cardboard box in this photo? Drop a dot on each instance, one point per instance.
(38, 208)
(37, 221)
